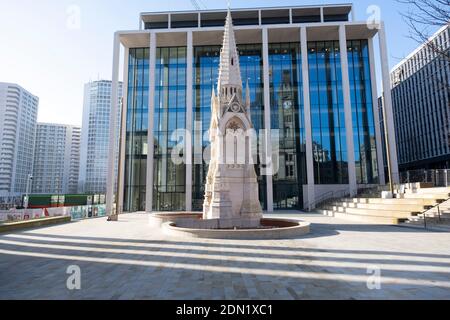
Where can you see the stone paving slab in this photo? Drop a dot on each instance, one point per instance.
(130, 259)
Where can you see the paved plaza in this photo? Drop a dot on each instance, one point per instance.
(130, 260)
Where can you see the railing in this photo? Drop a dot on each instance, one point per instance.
(327, 198)
(330, 197)
(323, 198)
(437, 178)
(437, 206)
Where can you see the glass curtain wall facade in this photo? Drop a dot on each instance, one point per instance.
(206, 68)
(328, 117)
(362, 112)
(169, 190)
(327, 113)
(287, 116)
(137, 129)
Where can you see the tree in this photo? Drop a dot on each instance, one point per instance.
(423, 17)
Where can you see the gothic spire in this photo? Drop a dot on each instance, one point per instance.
(229, 72)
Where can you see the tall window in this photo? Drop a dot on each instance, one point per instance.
(362, 112)
(327, 113)
(287, 116)
(137, 128)
(328, 117)
(206, 68)
(170, 114)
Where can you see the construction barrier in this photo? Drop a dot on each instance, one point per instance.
(76, 213)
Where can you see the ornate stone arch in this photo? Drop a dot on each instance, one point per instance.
(238, 118)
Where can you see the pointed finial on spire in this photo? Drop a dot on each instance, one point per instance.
(229, 72)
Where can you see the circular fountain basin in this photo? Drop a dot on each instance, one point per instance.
(159, 218)
(269, 229)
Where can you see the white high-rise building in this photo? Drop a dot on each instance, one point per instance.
(95, 136)
(18, 117)
(56, 159)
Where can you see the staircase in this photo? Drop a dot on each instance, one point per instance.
(408, 208)
(435, 218)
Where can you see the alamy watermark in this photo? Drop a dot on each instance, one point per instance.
(374, 17)
(374, 279)
(238, 147)
(73, 17)
(74, 280)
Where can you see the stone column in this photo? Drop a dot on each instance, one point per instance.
(267, 124)
(307, 116)
(151, 116)
(189, 119)
(388, 104)
(348, 111)
(123, 135)
(111, 177)
(376, 115)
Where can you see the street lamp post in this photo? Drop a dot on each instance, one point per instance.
(27, 190)
(388, 148)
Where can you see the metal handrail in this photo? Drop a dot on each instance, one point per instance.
(329, 196)
(322, 198)
(429, 209)
(438, 177)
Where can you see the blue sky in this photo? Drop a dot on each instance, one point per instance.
(53, 61)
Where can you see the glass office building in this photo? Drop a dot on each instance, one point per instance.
(421, 100)
(328, 136)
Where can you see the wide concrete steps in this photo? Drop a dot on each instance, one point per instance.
(437, 218)
(401, 214)
(435, 196)
(433, 219)
(441, 190)
(410, 207)
(419, 202)
(395, 207)
(357, 217)
(430, 226)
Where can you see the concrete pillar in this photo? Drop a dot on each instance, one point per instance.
(388, 103)
(111, 177)
(446, 177)
(308, 127)
(189, 119)
(267, 124)
(322, 18)
(348, 111)
(376, 115)
(123, 136)
(151, 116)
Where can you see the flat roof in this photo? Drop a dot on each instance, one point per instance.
(160, 16)
(247, 34)
(338, 5)
(419, 48)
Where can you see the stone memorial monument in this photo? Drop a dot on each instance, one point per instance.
(232, 187)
